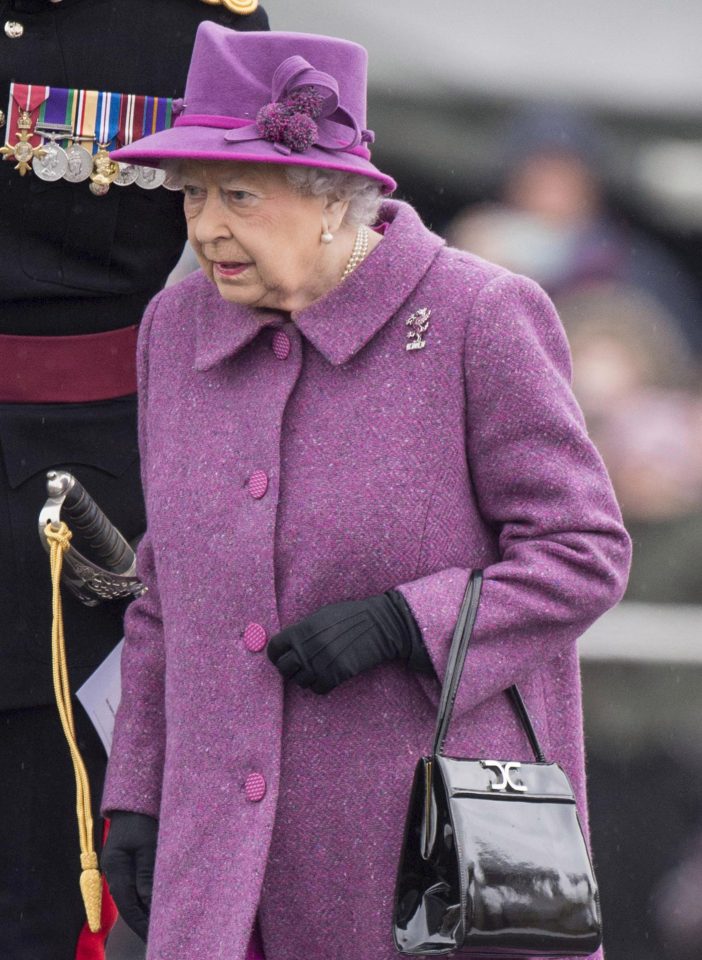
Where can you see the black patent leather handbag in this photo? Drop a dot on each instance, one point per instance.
(494, 862)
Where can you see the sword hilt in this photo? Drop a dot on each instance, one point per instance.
(88, 519)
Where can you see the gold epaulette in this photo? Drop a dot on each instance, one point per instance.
(234, 6)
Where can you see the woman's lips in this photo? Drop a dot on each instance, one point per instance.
(226, 270)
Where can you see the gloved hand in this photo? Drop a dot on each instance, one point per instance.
(344, 639)
(128, 862)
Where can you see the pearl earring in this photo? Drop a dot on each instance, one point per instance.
(327, 237)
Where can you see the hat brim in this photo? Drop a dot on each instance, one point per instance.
(208, 143)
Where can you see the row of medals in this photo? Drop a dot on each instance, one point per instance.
(75, 163)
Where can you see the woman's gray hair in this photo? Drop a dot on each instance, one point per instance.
(364, 195)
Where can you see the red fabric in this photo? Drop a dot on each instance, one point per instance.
(27, 97)
(75, 369)
(91, 946)
(139, 108)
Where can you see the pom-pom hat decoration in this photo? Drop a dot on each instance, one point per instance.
(282, 98)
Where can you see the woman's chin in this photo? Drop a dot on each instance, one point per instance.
(235, 292)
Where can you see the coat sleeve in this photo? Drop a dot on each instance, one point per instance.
(563, 552)
(135, 767)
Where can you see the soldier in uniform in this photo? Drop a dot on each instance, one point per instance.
(78, 263)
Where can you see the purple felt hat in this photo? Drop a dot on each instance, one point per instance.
(287, 98)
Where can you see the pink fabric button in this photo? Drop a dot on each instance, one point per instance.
(281, 345)
(258, 484)
(255, 637)
(255, 787)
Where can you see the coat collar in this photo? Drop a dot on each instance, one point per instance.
(223, 329)
(348, 317)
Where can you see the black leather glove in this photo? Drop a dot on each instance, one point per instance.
(344, 639)
(128, 862)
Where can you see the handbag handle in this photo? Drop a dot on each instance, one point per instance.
(454, 669)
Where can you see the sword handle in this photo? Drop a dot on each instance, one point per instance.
(89, 520)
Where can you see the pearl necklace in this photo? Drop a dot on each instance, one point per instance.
(359, 252)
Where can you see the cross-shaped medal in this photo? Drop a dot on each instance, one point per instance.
(23, 152)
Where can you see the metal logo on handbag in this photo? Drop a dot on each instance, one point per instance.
(494, 862)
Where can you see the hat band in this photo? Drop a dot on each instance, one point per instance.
(237, 123)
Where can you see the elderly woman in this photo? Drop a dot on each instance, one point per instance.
(340, 418)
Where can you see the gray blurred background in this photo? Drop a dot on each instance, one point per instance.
(564, 140)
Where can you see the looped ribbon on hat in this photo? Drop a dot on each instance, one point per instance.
(177, 107)
(304, 111)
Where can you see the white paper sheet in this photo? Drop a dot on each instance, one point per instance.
(100, 695)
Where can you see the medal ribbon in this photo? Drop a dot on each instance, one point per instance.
(158, 115)
(86, 117)
(108, 112)
(24, 96)
(164, 114)
(93, 115)
(125, 130)
(141, 116)
(58, 109)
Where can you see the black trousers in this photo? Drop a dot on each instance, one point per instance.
(41, 911)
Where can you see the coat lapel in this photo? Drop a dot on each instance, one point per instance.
(223, 329)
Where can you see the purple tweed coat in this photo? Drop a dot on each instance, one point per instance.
(293, 462)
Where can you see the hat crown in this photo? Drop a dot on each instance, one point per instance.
(297, 99)
(231, 73)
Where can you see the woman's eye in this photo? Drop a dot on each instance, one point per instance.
(192, 192)
(240, 196)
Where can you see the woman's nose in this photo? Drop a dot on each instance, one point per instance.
(211, 224)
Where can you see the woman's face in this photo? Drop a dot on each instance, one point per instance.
(256, 238)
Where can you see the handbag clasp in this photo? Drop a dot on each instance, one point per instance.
(505, 771)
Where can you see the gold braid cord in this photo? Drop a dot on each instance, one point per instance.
(90, 879)
(234, 6)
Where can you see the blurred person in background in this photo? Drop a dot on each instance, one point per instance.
(637, 385)
(553, 221)
(652, 445)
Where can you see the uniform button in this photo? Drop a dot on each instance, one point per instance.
(255, 787)
(13, 29)
(255, 637)
(281, 345)
(258, 484)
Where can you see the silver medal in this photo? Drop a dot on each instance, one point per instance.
(128, 173)
(79, 164)
(150, 177)
(172, 182)
(53, 164)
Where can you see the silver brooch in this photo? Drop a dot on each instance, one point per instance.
(418, 324)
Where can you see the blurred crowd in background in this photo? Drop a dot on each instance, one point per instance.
(633, 317)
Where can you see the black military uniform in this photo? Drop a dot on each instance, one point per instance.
(71, 264)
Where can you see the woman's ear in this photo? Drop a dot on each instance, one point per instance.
(334, 213)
